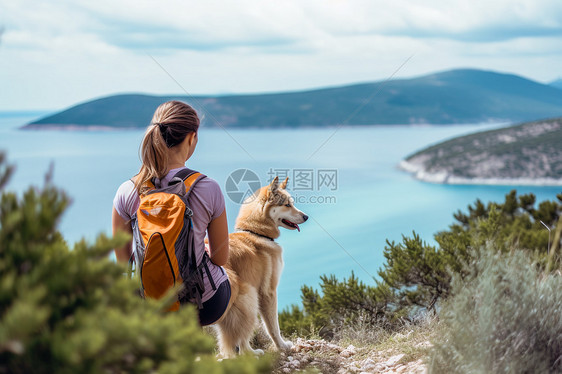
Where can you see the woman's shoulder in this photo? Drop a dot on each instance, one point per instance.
(208, 181)
(209, 194)
(208, 185)
(126, 188)
(126, 199)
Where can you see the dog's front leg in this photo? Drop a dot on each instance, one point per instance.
(268, 312)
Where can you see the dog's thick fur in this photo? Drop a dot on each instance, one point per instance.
(254, 267)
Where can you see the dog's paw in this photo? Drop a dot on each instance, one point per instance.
(221, 356)
(257, 352)
(287, 345)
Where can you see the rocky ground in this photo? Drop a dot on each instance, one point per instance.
(330, 358)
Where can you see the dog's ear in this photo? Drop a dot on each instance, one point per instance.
(273, 186)
(283, 185)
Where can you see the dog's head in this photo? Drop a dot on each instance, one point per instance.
(281, 207)
(271, 207)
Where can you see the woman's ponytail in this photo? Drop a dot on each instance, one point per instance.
(171, 123)
(154, 157)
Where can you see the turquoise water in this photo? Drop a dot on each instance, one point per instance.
(373, 200)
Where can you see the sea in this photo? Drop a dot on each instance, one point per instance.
(345, 179)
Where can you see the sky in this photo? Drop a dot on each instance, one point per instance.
(57, 53)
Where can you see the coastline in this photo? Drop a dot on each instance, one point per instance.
(76, 127)
(40, 127)
(419, 173)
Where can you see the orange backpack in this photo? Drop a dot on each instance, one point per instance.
(164, 241)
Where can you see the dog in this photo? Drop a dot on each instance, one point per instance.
(254, 267)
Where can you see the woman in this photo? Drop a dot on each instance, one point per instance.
(168, 143)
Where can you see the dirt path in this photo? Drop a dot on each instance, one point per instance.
(332, 359)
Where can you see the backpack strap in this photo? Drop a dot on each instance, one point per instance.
(190, 178)
(205, 264)
(148, 183)
(184, 173)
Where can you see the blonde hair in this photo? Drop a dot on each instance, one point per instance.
(171, 123)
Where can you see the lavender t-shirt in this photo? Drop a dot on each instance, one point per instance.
(206, 201)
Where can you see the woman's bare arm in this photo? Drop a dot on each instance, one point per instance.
(123, 254)
(218, 240)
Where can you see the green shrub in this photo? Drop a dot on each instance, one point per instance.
(420, 274)
(417, 276)
(417, 272)
(74, 311)
(504, 316)
(340, 303)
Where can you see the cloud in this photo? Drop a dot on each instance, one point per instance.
(218, 24)
(462, 20)
(213, 25)
(148, 38)
(57, 53)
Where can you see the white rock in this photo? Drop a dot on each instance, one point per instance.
(334, 347)
(368, 365)
(394, 359)
(418, 368)
(368, 361)
(349, 351)
(295, 363)
(368, 368)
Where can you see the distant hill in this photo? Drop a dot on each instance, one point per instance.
(557, 83)
(529, 153)
(457, 96)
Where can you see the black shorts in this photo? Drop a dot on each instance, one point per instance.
(214, 308)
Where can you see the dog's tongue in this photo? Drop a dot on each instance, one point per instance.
(292, 224)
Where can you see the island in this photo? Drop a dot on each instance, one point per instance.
(526, 154)
(462, 96)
